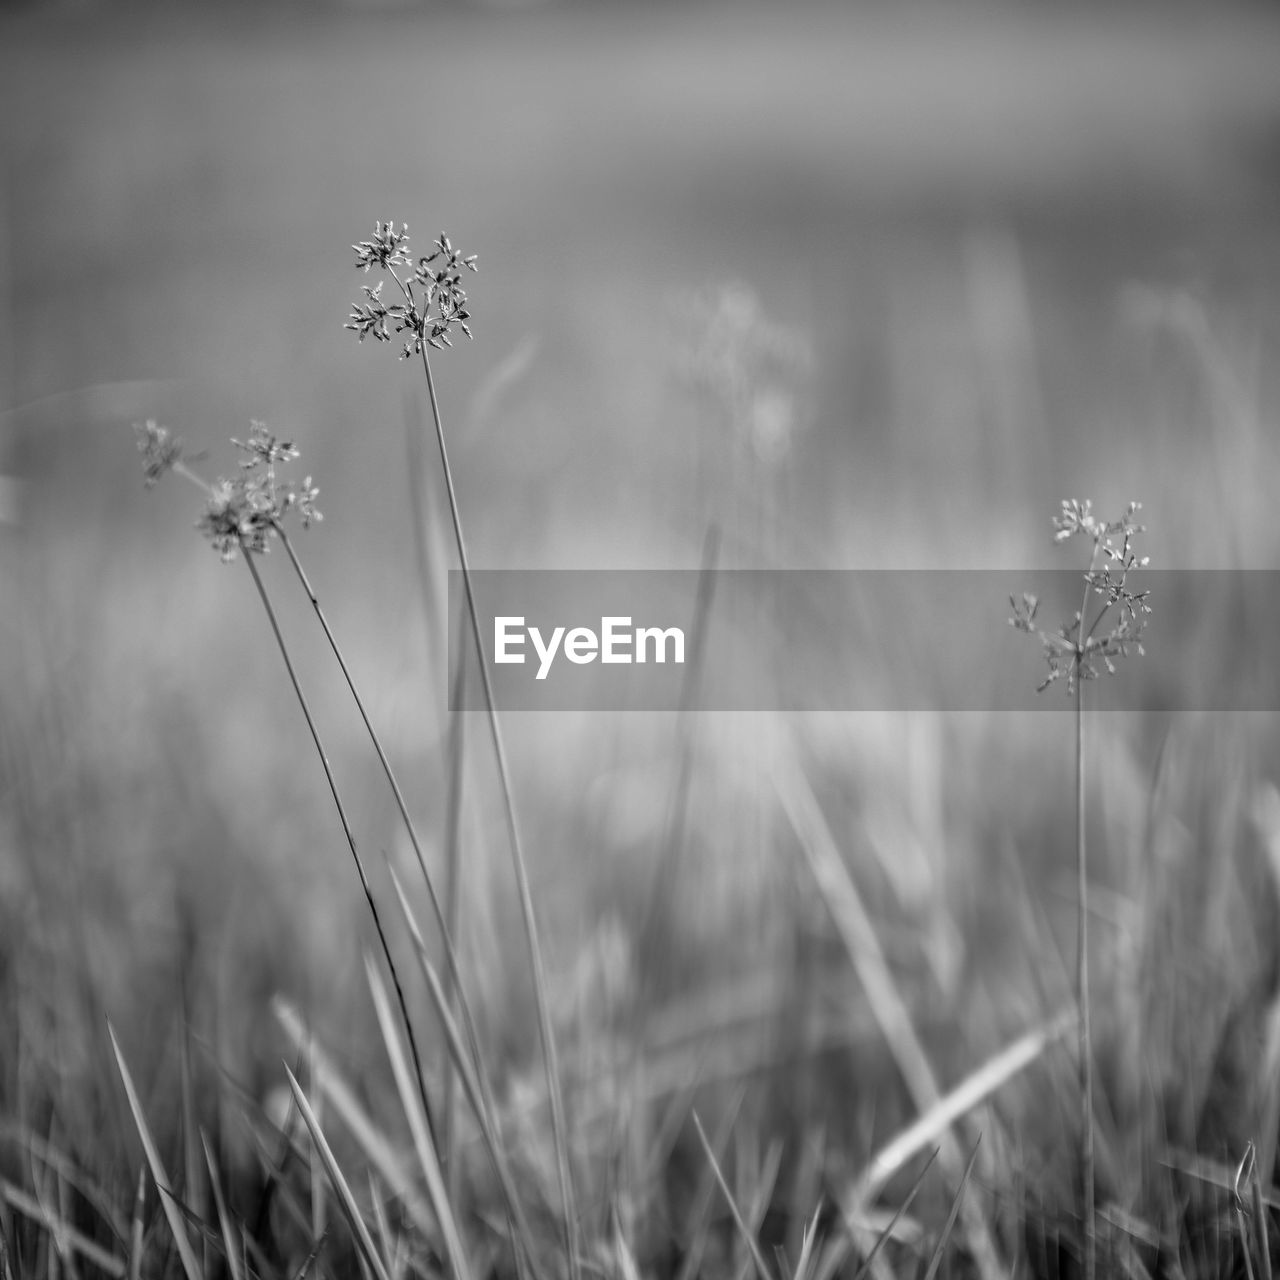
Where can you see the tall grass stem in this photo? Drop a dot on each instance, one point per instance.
(550, 1064)
(1082, 972)
(337, 800)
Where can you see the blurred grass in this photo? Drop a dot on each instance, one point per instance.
(1022, 255)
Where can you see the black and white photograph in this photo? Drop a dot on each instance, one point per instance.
(639, 640)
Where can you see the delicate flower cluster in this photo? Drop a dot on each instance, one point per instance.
(242, 513)
(385, 249)
(434, 299)
(263, 449)
(1073, 650)
(161, 450)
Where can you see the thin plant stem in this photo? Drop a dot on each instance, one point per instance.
(474, 1081)
(456, 750)
(388, 771)
(453, 895)
(669, 853)
(550, 1064)
(446, 916)
(446, 931)
(1082, 960)
(342, 816)
(1080, 640)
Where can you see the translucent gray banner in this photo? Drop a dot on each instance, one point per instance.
(853, 640)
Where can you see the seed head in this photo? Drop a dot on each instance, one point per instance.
(434, 301)
(1074, 650)
(161, 450)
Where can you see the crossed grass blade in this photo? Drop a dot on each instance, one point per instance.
(68, 1241)
(940, 1249)
(186, 1254)
(835, 1254)
(377, 1147)
(744, 1231)
(701, 1217)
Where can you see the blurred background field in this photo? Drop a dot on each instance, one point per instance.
(861, 286)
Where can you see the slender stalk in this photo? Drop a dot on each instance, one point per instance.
(474, 1080)
(673, 828)
(447, 916)
(342, 816)
(453, 900)
(403, 808)
(550, 1064)
(1082, 962)
(454, 759)
(446, 925)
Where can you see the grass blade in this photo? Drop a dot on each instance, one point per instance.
(808, 1240)
(8, 1255)
(193, 1181)
(220, 1205)
(692, 1263)
(422, 1142)
(968, 1094)
(936, 1261)
(473, 1078)
(390, 1245)
(43, 1151)
(835, 1255)
(136, 1227)
(167, 1202)
(68, 1241)
(338, 1181)
(623, 1256)
(329, 1080)
(1260, 1219)
(748, 1239)
(867, 956)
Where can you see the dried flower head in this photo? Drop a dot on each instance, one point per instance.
(263, 448)
(385, 250)
(244, 512)
(434, 300)
(161, 450)
(1073, 651)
